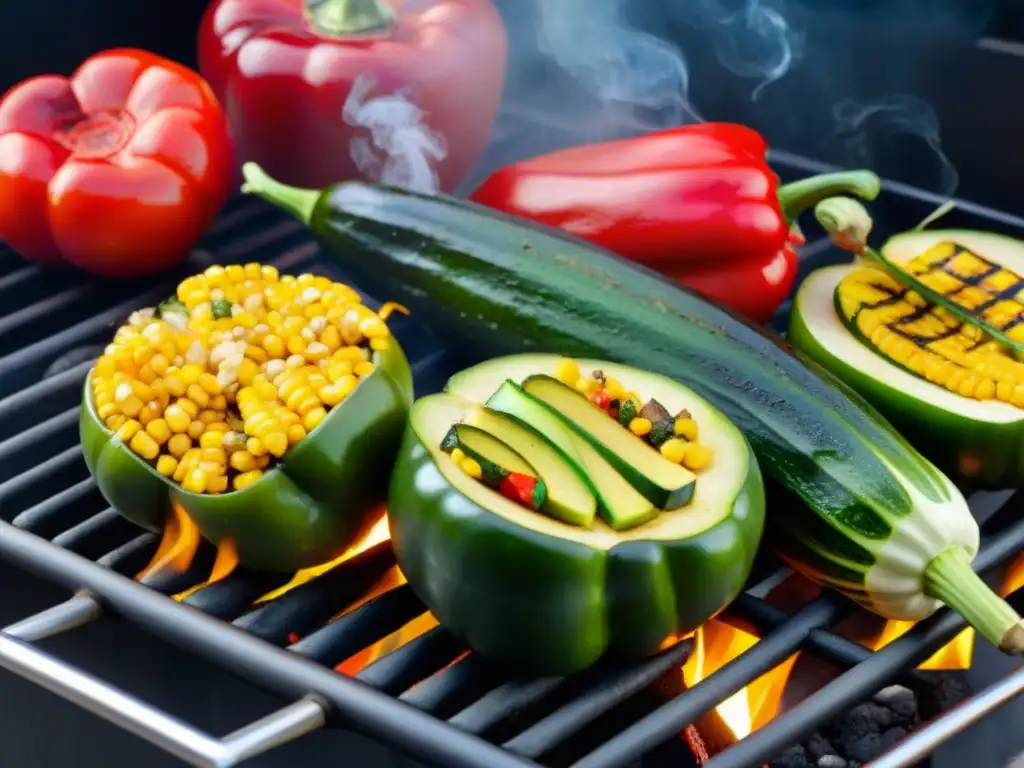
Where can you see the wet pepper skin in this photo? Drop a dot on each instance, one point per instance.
(118, 169)
(285, 70)
(698, 203)
(322, 496)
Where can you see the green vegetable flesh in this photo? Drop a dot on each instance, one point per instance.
(549, 598)
(494, 284)
(620, 504)
(324, 493)
(496, 459)
(569, 498)
(663, 483)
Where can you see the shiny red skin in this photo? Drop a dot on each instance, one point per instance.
(697, 203)
(125, 201)
(284, 84)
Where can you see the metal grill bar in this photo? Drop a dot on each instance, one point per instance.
(168, 733)
(286, 674)
(959, 718)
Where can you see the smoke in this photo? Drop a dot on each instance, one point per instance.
(863, 127)
(401, 149)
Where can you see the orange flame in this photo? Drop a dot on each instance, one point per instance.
(178, 545)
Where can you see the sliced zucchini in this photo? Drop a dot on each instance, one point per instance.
(665, 484)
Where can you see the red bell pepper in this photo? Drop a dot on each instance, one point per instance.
(697, 203)
(117, 169)
(319, 91)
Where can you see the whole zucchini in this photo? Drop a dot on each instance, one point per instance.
(878, 521)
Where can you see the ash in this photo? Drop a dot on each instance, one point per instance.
(867, 730)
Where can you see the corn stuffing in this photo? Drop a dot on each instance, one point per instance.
(929, 340)
(241, 364)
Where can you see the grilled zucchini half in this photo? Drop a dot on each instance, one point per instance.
(953, 391)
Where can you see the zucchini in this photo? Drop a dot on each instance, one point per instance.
(878, 521)
(956, 393)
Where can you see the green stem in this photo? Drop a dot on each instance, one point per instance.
(342, 18)
(298, 202)
(796, 197)
(950, 578)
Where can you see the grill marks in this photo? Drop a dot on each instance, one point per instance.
(928, 340)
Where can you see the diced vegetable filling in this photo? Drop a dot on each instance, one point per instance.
(241, 364)
(498, 467)
(675, 437)
(930, 341)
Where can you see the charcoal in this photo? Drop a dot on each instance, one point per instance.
(794, 757)
(864, 748)
(901, 701)
(870, 728)
(819, 747)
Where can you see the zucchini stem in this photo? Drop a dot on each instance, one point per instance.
(797, 196)
(951, 579)
(298, 202)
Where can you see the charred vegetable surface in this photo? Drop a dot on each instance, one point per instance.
(955, 391)
(547, 591)
(870, 517)
(268, 407)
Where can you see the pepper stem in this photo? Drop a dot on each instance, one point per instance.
(298, 202)
(950, 578)
(341, 18)
(797, 196)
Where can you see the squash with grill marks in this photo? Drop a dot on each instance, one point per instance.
(946, 375)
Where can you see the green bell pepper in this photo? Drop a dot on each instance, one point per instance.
(548, 597)
(319, 498)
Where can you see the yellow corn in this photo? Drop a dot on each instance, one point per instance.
(697, 457)
(929, 341)
(674, 450)
(213, 404)
(640, 426)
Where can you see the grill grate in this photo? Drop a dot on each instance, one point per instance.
(429, 698)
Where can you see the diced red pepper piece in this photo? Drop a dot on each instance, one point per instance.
(601, 399)
(520, 488)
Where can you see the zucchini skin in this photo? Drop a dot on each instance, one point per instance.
(493, 284)
(553, 606)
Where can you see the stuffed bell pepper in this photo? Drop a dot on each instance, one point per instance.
(930, 330)
(552, 510)
(269, 407)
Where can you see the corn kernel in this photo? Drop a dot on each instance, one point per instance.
(567, 371)
(128, 430)
(338, 369)
(247, 370)
(243, 461)
(188, 406)
(166, 465)
(276, 442)
(674, 450)
(255, 446)
(686, 428)
(174, 385)
(179, 445)
(149, 412)
(131, 406)
(196, 429)
(457, 455)
(313, 418)
(295, 433)
(190, 373)
(212, 455)
(216, 484)
(697, 457)
(195, 481)
(108, 409)
(209, 384)
(198, 395)
(246, 479)
(364, 369)
(640, 426)
(159, 430)
(472, 468)
(115, 422)
(214, 439)
(144, 445)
